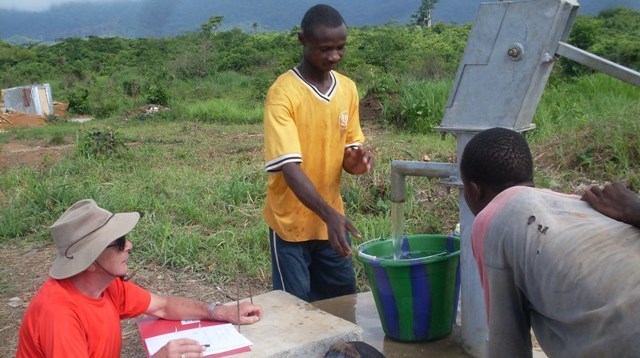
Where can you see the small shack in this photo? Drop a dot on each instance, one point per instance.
(32, 99)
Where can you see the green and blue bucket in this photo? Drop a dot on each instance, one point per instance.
(416, 297)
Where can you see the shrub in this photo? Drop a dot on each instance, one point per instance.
(157, 94)
(51, 118)
(57, 138)
(131, 88)
(383, 83)
(98, 143)
(79, 101)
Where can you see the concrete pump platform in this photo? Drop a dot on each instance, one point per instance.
(291, 327)
(360, 308)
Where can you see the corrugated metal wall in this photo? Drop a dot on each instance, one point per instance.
(33, 99)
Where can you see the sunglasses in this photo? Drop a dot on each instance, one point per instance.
(120, 243)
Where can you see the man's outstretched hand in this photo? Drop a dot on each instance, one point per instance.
(338, 226)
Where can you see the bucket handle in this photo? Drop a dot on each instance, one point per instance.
(451, 244)
(377, 259)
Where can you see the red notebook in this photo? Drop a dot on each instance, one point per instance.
(151, 327)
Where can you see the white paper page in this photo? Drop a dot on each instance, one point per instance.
(220, 338)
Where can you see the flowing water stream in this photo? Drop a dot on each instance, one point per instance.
(397, 228)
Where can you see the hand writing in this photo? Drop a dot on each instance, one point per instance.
(180, 348)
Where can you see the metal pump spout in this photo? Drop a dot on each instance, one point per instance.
(400, 169)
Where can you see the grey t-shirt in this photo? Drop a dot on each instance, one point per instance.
(552, 263)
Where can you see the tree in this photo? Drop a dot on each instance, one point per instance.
(212, 24)
(201, 66)
(422, 16)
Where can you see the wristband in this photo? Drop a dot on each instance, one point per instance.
(211, 308)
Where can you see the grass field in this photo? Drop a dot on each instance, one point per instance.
(199, 185)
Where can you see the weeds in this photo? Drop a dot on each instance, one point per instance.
(591, 126)
(226, 111)
(419, 106)
(100, 143)
(57, 138)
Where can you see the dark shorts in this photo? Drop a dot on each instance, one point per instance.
(310, 270)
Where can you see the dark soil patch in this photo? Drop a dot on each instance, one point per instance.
(16, 154)
(370, 109)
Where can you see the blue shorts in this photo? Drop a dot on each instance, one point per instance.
(310, 270)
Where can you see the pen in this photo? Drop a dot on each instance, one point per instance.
(206, 345)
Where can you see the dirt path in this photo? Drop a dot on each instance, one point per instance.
(14, 154)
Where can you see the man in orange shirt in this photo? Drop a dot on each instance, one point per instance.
(77, 311)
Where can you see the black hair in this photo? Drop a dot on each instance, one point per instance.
(320, 14)
(498, 158)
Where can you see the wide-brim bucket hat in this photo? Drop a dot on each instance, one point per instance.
(83, 232)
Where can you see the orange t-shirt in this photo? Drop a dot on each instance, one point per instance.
(62, 322)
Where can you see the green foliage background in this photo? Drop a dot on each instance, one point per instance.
(195, 171)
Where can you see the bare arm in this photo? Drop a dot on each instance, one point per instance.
(615, 201)
(178, 308)
(337, 224)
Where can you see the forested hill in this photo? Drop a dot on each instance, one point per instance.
(159, 18)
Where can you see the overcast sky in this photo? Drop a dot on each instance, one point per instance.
(40, 5)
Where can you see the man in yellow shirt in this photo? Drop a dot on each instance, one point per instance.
(312, 131)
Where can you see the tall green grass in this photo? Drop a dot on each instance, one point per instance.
(589, 128)
(586, 100)
(222, 110)
(418, 106)
(200, 184)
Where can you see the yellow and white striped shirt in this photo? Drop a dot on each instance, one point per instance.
(303, 125)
